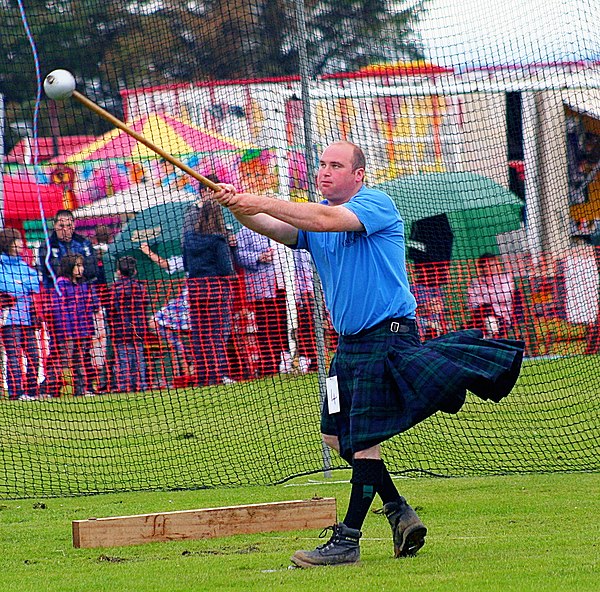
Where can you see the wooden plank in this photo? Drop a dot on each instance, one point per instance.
(117, 531)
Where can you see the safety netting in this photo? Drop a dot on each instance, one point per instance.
(149, 341)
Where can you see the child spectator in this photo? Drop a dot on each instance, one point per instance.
(173, 319)
(74, 305)
(127, 314)
(490, 297)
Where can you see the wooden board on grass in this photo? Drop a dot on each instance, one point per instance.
(118, 531)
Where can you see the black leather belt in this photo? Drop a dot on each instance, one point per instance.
(400, 325)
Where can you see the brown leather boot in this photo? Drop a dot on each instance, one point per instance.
(408, 530)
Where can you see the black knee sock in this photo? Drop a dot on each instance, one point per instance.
(366, 480)
(387, 490)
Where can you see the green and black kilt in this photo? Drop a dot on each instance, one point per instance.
(390, 381)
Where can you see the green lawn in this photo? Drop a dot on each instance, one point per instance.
(486, 534)
(535, 528)
(264, 432)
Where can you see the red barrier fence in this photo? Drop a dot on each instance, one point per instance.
(149, 335)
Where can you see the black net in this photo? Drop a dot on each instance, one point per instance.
(124, 368)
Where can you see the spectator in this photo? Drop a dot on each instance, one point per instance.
(304, 292)
(428, 291)
(194, 211)
(74, 306)
(18, 282)
(173, 319)
(578, 269)
(431, 311)
(128, 321)
(65, 241)
(208, 261)
(102, 238)
(490, 297)
(265, 292)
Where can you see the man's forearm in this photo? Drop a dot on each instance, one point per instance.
(312, 217)
(267, 225)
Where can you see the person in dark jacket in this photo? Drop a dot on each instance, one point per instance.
(208, 261)
(65, 241)
(128, 321)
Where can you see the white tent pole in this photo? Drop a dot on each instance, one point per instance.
(532, 182)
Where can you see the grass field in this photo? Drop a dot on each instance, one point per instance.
(263, 432)
(526, 533)
(535, 528)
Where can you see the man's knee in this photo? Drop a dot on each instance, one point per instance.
(373, 453)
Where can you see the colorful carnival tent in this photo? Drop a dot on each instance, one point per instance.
(21, 200)
(115, 161)
(135, 199)
(172, 135)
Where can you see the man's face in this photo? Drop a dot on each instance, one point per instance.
(336, 179)
(64, 228)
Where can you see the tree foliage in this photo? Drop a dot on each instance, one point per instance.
(110, 44)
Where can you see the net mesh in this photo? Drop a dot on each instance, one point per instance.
(124, 370)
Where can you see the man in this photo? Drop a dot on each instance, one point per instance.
(65, 241)
(388, 382)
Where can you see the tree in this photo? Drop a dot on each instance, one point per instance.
(343, 35)
(220, 39)
(67, 34)
(110, 45)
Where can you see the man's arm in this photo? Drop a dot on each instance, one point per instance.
(269, 226)
(281, 220)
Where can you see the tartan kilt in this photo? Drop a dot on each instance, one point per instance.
(389, 382)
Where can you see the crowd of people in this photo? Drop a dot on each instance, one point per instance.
(64, 329)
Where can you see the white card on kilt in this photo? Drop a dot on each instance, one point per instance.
(333, 395)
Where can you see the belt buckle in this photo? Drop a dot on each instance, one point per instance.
(398, 327)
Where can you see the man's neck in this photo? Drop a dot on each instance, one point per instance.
(338, 201)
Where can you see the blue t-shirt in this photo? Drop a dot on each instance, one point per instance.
(363, 273)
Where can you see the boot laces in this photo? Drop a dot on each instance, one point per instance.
(332, 539)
